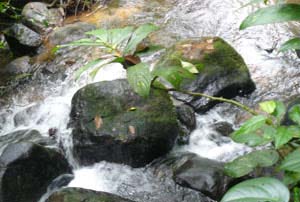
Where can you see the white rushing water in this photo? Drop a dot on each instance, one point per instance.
(189, 18)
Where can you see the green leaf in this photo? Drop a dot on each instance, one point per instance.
(111, 38)
(291, 162)
(262, 189)
(291, 178)
(247, 163)
(174, 74)
(254, 132)
(296, 192)
(279, 110)
(189, 66)
(291, 44)
(91, 64)
(272, 14)
(294, 114)
(268, 106)
(138, 36)
(140, 78)
(81, 42)
(283, 135)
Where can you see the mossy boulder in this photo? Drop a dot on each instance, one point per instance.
(26, 170)
(110, 122)
(222, 71)
(80, 195)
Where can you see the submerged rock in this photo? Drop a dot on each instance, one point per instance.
(26, 171)
(222, 71)
(110, 122)
(223, 127)
(24, 136)
(22, 40)
(80, 195)
(69, 33)
(204, 175)
(38, 17)
(187, 122)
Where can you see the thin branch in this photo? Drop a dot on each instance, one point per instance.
(220, 99)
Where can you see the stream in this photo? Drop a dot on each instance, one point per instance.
(46, 104)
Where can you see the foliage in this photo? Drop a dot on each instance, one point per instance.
(10, 11)
(283, 152)
(258, 190)
(121, 45)
(281, 12)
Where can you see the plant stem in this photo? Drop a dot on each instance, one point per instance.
(221, 99)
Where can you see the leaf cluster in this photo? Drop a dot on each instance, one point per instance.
(281, 149)
(121, 45)
(280, 12)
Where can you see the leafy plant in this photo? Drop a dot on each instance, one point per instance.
(281, 12)
(283, 152)
(9, 11)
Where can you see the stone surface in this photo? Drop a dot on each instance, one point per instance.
(69, 33)
(84, 195)
(204, 175)
(110, 122)
(224, 128)
(22, 40)
(26, 171)
(222, 71)
(38, 17)
(24, 136)
(187, 122)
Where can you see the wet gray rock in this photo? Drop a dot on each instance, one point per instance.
(204, 175)
(80, 195)
(20, 65)
(110, 122)
(26, 171)
(187, 122)
(60, 181)
(38, 17)
(222, 71)
(224, 128)
(69, 33)
(24, 136)
(22, 40)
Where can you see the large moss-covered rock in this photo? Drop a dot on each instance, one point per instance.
(26, 169)
(113, 123)
(222, 71)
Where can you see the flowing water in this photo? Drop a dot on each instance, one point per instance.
(275, 75)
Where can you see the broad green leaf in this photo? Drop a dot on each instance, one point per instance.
(291, 162)
(81, 42)
(272, 14)
(189, 66)
(174, 74)
(296, 192)
(262, 189)
(138, 36)
(283, 135)
(140, 78)
(86, 67)
(268, 106)
(291, 44)
(254, 132)
(247, 163)
(291, 178)
(294, 114)
(279, 110)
